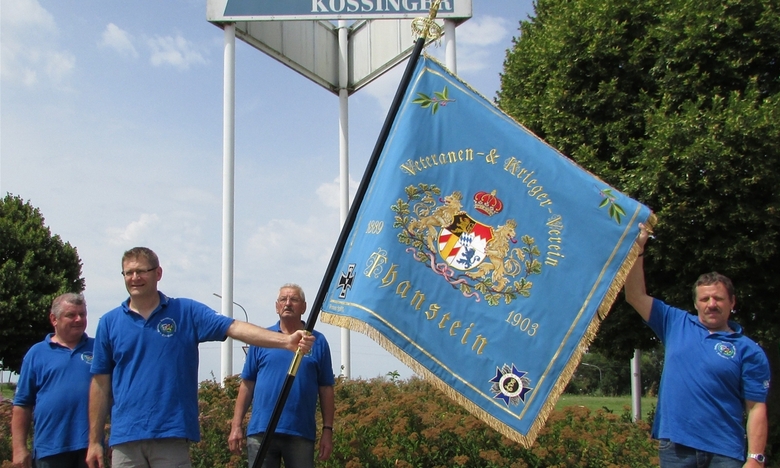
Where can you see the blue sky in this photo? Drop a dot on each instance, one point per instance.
(111, 124)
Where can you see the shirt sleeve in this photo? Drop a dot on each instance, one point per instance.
(755, 375)
(250, 365)
(26, 390)
(325, 377)
(102, 355)
(662, 317)
(210, 325)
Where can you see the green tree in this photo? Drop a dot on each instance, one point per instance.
(677, 104)
(35, 267)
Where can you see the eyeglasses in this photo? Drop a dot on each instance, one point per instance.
(131, 273)
(294, 300)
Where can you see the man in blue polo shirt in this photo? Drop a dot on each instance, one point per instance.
(53, 392)
(264, 373)
(146, 365)
(712, 375)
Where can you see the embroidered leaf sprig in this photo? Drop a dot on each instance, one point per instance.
(439, 99)
(615, 211)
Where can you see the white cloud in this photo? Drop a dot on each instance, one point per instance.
(25, 14)
(384, 87)
(330, 193)
(287, 240)
(176, 51)
(118, 39)
(298, 245)
(29, 53)
(476, 42)
(59, 64)
(483, 31)
(133, 231)
(473, 59)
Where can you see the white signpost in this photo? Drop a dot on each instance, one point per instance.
(342, 45)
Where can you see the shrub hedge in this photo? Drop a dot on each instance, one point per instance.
(409, 424)
(6, 451)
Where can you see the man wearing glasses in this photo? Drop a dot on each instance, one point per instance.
(145, 368)
(262, 379)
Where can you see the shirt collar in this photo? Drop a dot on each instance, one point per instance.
(163, 302)
(48, 339)
(735, 327)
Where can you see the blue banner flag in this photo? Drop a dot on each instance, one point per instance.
(480, 256)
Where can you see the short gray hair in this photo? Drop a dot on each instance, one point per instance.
(297, 288)
(67, 298)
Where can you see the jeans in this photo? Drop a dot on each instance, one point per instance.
(297, 452)
(74, 459)
(680, 456)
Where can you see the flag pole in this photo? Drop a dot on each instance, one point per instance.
(426, 29)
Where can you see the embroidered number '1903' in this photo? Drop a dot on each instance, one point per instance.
(523, 324)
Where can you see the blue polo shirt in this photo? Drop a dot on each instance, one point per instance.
(154, 367)
(268, 368)
(55, 381)
(706, 379)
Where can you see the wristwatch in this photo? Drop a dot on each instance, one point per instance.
(759, 457)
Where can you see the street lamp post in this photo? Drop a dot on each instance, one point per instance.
(597, 367)
(245, 347)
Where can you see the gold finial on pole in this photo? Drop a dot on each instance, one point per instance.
(427, 27)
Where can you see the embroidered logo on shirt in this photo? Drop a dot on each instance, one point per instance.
(87, 357)
(166, 327)
(726, 350)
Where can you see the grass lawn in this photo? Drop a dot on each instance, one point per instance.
(616, 404)
(6, 391)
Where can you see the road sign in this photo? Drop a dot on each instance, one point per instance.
(272, 10)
